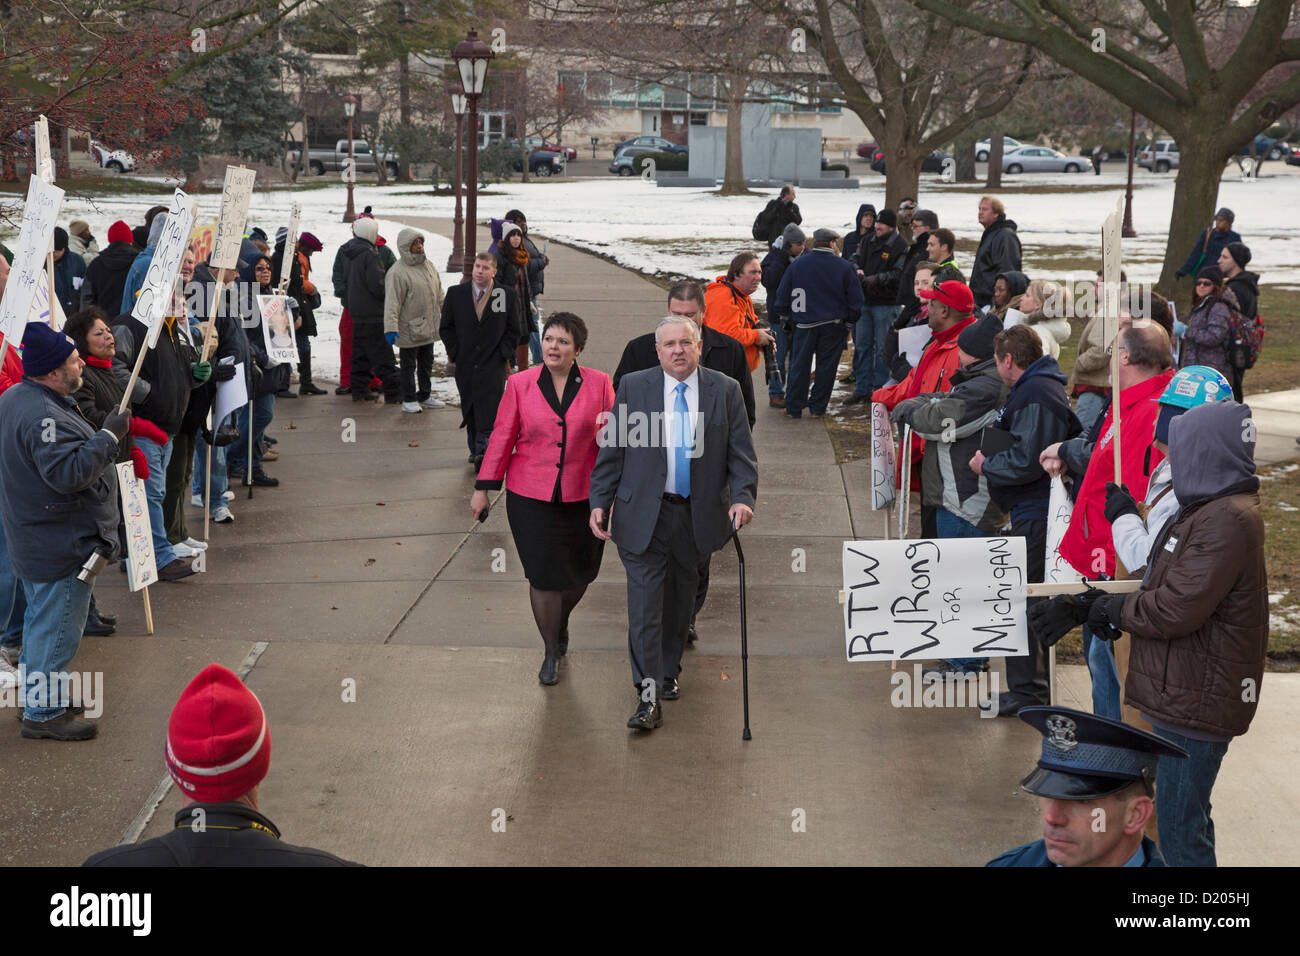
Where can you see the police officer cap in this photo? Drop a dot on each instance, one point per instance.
(1085, 757)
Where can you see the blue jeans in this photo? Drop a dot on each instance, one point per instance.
(219, 482)
(777, 385)
(826, 343)
(1183, 800)
(873, 332)
(56, 617)
(237, 454)
(13, 603)
(1105, 676)
(535, 338)
(1088, 407)
(155, 489)
(955, 526)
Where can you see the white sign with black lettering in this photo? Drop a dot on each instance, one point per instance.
(236, 195)
(141, 567)
(884, 484)
(954, 597)
(156, 296)
(290, 251)
(1059, 508)
(40, 215)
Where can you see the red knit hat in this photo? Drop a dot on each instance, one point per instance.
(119, 232)
(218, 742)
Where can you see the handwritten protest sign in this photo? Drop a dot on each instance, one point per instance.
(236, 194)
(155, 299)
(1111, 257)
(231, 394)
(955, 597)
(43, 310)
(39, 217)
(44, 164)
(1059, 507)
(884, 488)
(277, 328)
(290, 245)
(141, 569)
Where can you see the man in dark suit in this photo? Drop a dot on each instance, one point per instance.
(677, 455)
(721, 353)
(480, 334)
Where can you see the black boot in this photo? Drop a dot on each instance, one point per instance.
(305, 385)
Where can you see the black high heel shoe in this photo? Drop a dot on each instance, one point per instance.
(549, 674)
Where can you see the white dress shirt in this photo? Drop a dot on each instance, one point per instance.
(670, 422)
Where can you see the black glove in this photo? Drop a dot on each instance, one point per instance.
(1119, 502)
(223, 373)
(1104, 617)
(1051, 620)
(119, 423)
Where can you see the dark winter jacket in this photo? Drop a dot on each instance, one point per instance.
(907, 274)
(1017, 283)
(853, 239)
(339, 275)
(831, 291)
(881, 259)
(1205, 342)
(774, 265)
(1205, 252)
(536, 261)
(99, 394)
(269, 378)
(719, 352)
(999, 252)
(1245, 286)
(1199, 625)
(67, 272)
(951, 424)
(365, 282)
(512, 277)
(1035, 854)
(58, 499)
(106, 276)
(168, 369)
(481, 350)
(1037, 414)
(778, 214)
(296, 290)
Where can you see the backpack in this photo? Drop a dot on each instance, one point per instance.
(762, 223)
(1245, 340)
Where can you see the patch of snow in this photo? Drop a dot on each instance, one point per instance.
(1283, 506)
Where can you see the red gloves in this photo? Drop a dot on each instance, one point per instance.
(140, 462)
(143, 428)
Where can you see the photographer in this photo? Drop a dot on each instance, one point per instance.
(58, 500)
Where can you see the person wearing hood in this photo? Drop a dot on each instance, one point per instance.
(1037, 414)
(365, 301)
(1210, 244)
(339, 275)
(1245, 286)
(303, 291)
(788, 246)
(999, 250)
(1007, 290)
(537, 263)
(1206, 332)
(140, 265)
(82, 241)
(1044, 306)
(864, 228)
(1199, 625)
(880, 262)
(513, 270)
(412, 310)
(69, 273)
(106, 276)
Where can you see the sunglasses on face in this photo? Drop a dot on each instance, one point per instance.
(1200, 282)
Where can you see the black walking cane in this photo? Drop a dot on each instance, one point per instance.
(744, 641)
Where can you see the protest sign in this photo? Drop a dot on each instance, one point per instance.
(236, 194)
(44, 164)
(1111, 257)
(39, 217)
(156, 301)
(277, 328)
(904, 482)
(1059, 507)
(141, 569)
(955, 597)
(43, 310)
(290, 251)
(231, 395)
(912, 341)
(884, 488)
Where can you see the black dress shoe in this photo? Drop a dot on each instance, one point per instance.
(691, 636)
(268, 440)
(670, 689)
(262, 480)
(562, 645)
(856, 399)
(649, 715)
(98, 629)
(310, 388)
(1010, 706)
(285, 393)
(343, 390)
(549, 674)
(109, 619)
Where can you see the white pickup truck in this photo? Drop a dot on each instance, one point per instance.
(322, 160)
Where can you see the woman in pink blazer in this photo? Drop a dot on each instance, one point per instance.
(544, 446)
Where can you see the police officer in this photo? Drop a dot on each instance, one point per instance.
(1095, 784)
(218, 750)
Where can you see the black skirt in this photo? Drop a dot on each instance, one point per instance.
(554, 542)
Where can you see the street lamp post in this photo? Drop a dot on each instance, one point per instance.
(471, 55)
(458, 107)
(1127, 230)
(350, 108)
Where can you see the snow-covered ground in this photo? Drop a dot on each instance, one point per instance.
(693, 232)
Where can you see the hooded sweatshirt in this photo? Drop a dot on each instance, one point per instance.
(1017, 283)
(854, 235)
(412, 295)
(135, 278)
(106, 277)
(1245, 286)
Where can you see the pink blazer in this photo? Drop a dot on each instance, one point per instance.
(530, 442)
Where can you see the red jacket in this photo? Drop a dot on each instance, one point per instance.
(529, 439)
(1088, 538)
(12, 372)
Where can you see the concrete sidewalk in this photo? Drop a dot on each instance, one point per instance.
(365, 569)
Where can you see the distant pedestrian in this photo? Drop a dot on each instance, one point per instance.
(784, 251)
(1245, 286)
(69, 273)
(106, 276)
(864, 227)
(365, 291)
(1098, 154)
(1210, 244)
(999, 249)
(82, 241)
(1205, 335)
(776, 215)
(413, 309)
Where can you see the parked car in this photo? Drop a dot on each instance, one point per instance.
(625, 164)
(934, 163)
(1293, 156)
(868, 151)
(1040, 159)
(1265, 148)
(984, 148)
(536, 142)
(542, 162)
(323, 159)
(653, 142)
(117, 160)
(1161, 156)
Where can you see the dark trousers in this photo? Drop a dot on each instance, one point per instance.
(661, 589)
(371, 351)
(417, 360)
(304, 361)
(1027, 676)
(1238, 376)
(180, 469)
(826, 344)
(701, 589)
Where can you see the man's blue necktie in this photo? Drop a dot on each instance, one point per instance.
(681, 459)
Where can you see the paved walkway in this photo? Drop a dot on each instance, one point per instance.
(365, 570)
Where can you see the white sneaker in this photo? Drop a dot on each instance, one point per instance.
(11, 655)
(8, 674)
(196, 501)
(196, 545)
(228, 495)
(411, 408)
(222, 515)
(432, 402)
(183, 550)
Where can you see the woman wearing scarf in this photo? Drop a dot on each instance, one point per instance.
(512, 272)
